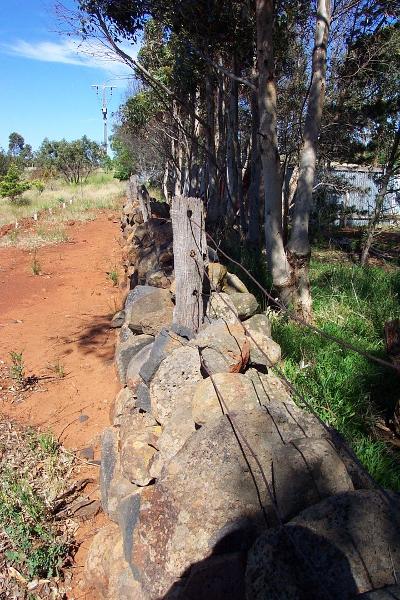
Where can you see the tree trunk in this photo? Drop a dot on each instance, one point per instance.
(380, 199)
(213, 207)
(254, 189)
(277, 260)
(299, 246)
(190, 254)
(288, 197)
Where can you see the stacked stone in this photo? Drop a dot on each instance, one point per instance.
(147, 247)
(217, 485)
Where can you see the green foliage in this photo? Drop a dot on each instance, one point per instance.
(123, 161)
(11, 185)
(33, 542)
(36, 268)
(74, 161)
(17, 368)
(345, 389)
(5, 161)
(39, 185)
(113, 276)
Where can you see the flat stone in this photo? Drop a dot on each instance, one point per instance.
(180, 367)
(124, 403)
(137, 361)
(87, 453)
(126, 350)
(177, 430)
(245, 303)
(263, 350)
(120, 487)
(118, 319)
(143, 400)
(164, 343)
(234, 391)
(138, 442)
(224, 348)
(352, 545)
(109, 454)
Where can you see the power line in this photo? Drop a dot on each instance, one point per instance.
(103, 87)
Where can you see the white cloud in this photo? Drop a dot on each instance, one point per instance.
(72, 51)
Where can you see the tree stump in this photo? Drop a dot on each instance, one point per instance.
(190, 254)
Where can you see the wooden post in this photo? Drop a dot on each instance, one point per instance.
(132, 189)
(190, 254)
(144, 201)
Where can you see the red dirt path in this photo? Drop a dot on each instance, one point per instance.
(64, 315)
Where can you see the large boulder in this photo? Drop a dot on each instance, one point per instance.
(212, 498)
(224, 348)
(341, 547)
(245, 303)
(222, 393)
(179, 368)
(269, 388)
(153, 312)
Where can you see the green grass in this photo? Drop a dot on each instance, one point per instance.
(345, 389)
(33, 472)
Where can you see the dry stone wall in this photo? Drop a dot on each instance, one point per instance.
(217, 485)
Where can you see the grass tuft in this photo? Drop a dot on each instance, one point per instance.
(34, 471)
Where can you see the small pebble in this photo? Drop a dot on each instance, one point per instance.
(87, 453)
(83, 418)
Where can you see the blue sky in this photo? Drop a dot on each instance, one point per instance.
(45, 83)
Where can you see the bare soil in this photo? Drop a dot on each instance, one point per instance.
(62, 317)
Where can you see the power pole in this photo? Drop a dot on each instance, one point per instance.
(104, 89)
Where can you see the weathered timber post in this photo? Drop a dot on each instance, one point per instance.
(190, 254)
(132, 189)
(144, 201)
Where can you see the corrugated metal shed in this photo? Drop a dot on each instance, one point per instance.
(363, 187)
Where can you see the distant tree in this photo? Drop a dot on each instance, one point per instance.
(11, 185)
(18, 150)
(4, 162)
(74, 161)
(16, 144)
